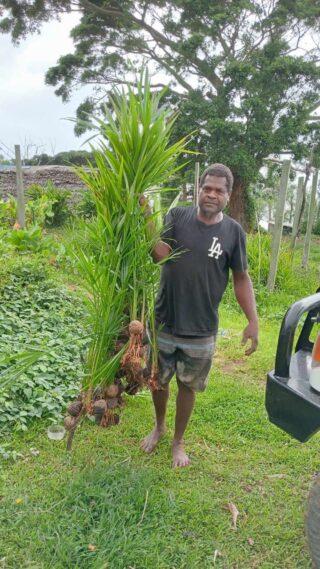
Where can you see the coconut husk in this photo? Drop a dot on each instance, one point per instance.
(98, 419)
(113, 403)
(69, 423)
(74, 408)
(109, 419)
(112, 391)
(99, 407)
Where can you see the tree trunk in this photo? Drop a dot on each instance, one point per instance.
(237, 209)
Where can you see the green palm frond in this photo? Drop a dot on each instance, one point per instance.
(113, 251)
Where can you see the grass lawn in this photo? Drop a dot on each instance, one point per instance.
(107, 505)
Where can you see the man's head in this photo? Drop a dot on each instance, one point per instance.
(215, 187)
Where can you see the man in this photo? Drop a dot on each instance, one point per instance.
(208, 243)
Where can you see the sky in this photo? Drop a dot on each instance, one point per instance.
(30, 113)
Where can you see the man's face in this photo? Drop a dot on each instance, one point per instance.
(213, 195)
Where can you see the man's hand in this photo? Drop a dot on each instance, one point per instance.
(160, 250)
(250, 333)
(144, 203)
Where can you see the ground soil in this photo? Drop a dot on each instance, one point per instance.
(61, 176)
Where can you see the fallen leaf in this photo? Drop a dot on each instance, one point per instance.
(234, 512)
(248, 488)
(251, 541)
(19, 500)
(92, 547)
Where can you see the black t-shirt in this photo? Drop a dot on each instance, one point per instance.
(192, 284)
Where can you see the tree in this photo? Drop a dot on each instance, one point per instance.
(233, 66)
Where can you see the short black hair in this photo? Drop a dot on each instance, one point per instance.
(219, 170)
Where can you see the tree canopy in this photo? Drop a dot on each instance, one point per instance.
(244, 73)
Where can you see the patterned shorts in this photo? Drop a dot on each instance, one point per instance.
(189, 358)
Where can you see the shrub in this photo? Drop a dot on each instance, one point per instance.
(86, 208)
(8, 212)
(59, 211)
(29, 240)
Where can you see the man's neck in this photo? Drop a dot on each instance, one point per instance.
(210, 219)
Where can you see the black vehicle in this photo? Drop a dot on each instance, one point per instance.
(292, 404)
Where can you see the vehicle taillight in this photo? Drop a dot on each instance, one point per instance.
(316, 351)
(315, 365)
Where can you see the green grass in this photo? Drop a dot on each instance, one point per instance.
(139, 513)
(109, 506)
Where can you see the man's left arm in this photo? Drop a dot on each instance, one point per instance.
(245, 296)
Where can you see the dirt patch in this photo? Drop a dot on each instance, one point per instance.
(228, 366)
(61, 176)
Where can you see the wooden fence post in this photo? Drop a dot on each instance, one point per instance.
(311, 214)
(20, 191)
(278, 224)
(297, 209)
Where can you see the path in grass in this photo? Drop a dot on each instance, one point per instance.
(110, 506)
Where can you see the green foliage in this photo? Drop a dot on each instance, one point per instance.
(53, 509)
(29, 240)
(86, 208)
(8, 212)
(259, 255)
(39, 211)
(316, 227)
(77, 157)
(51, 201)
(251, 93)
(35, 313)
(113, 251)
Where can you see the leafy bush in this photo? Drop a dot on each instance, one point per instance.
(86, 208)
(8, 212)
(29, 240)
(59, 211)
(34, 311)
(39, 211)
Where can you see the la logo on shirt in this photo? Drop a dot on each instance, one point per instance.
(215, 249)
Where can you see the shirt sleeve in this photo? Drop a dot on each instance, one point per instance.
(167, 233)
(238, 260)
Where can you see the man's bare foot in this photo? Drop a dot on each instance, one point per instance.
(150, 442)
(180, 458)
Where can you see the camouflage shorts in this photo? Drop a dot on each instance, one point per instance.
(189, 358)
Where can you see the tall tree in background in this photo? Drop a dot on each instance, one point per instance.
(244, 73)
